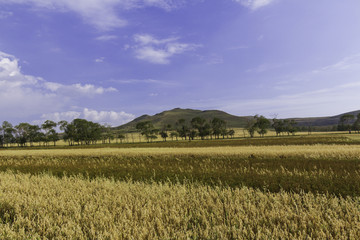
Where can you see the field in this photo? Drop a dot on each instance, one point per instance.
(291, 188)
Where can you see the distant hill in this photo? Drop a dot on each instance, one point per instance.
(171, 116)
(322, 121)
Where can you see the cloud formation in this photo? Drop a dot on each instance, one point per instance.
(25, 95)
(112, 118)
(254, 4)
(159, 51)
(102, 14)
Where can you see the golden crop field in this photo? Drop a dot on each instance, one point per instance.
(306, 191)
(38, 207)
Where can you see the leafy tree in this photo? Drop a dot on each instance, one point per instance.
(164, 132)
(182, 128)
(174, 135)
(218, 126)
(22, 133)
(107, 134)
(344, 123)
(164, 135)
(261, 124)
(290, 126)
(8, 133)
(50, 133)
(147, 129)
(356, 125)
(278, 126)
(203, 128)
(121, 137)
(81, 131)
(224, 132)
(192, 134)
(251, 126)
(232, 133)
(34, 134)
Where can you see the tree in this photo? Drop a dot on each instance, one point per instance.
(344, 123)
(164, 135)
(182, 128)
(81, 131)
(50, 134)
(174, 135)
(8, 131)
(147, 129)
(232, 133)
(121, 137)
(164, 132)
(34, 134)
(278, 126)
(251, 126)
(261, 124)
(203, 128)
(107, 134)
(290, 126)
(218, 127)
(22, 133)
(356, 125)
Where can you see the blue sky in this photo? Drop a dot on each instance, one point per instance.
(112, 60)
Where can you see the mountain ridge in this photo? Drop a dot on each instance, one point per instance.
(233, 121)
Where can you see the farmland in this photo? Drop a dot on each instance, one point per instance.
(297, 187)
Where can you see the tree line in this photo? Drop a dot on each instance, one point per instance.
(77, 132)
(349, 123)
(197, 127)
(81, 131)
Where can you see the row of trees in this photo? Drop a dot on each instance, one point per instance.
(24, 133)
(197, 127)
(260, 124)
(348, 123)
(79, 131)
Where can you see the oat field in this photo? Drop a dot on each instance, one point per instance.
(299, 191)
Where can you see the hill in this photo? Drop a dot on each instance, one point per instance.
(171, 116)
(323, 121)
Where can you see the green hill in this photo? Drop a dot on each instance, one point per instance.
(171, 116)
(323, 121)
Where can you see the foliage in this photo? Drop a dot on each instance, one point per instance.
(147, 129)
(345, 122)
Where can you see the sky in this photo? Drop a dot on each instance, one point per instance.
(110, 61)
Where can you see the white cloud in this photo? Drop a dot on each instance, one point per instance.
(265, 67)
(91, 89)
(23, 95)
(112, 118)
(254, 4)
(349, 63)
(78, 88)
(5, 14)
(59, 116)
(102, 14)
(159, 51)
(143, 81)
(321, 102)
(106, 38)
(99, 60)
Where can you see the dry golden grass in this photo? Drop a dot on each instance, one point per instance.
(46, 207)
(305, 151)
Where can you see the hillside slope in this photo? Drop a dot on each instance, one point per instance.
(171, 116)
